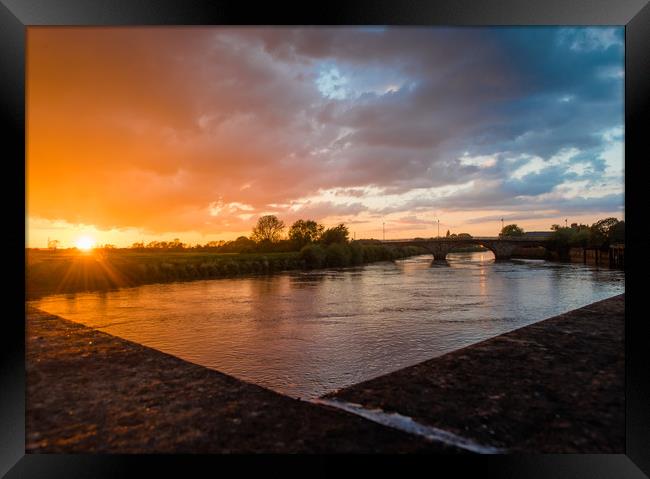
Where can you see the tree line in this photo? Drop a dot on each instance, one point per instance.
(266, 237)
(317, 246)
(307, 245)
(600, 234)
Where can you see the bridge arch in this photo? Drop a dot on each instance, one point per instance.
(442, 249)
(487, 247)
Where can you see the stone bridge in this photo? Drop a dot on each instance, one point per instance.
(502, 247)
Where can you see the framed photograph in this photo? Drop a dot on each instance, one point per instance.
(394, 232)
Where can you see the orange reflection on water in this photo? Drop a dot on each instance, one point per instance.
(308, 333)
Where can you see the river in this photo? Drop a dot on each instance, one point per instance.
(305, 334)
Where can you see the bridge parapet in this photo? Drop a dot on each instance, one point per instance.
(524, 239)
(501, 246)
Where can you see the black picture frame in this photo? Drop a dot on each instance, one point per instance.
(17, 15)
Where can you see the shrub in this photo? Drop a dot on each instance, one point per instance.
(356, 253)
(374, 253)
(231, 268)
(313, 255)
(337, 255)
(244, 267)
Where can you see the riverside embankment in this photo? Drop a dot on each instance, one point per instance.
(72, 271)
(554, 386)
(90, 392)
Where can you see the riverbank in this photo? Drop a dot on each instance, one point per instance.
(554, 386)
(90, 392)
(72, 271)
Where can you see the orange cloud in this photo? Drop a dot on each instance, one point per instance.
(150, 129)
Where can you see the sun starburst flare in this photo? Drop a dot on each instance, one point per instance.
(85, 243)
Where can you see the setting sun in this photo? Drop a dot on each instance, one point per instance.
(85, 243)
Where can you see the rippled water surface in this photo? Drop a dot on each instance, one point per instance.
(307, 333)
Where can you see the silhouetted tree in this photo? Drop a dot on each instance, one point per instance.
(617, 233)
(337, 234)
(268, 228)
(601, 231)
(241, 245)
(599, 235)
(511, 230)
(303, 232)
(176, 244)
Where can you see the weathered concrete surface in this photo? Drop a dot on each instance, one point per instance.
(554, 386)
(90, 392)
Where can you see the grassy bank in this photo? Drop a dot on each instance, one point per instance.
(68, 271)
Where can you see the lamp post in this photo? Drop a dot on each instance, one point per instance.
(566, 222)
(383, 229)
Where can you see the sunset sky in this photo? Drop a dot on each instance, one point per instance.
(141, 134)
